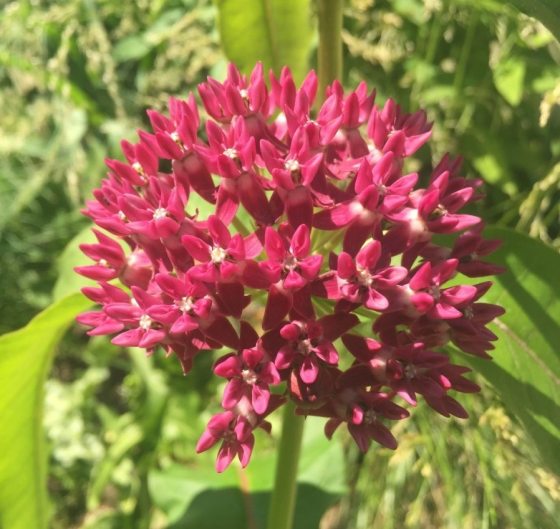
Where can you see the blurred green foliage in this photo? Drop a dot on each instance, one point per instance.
(489, 79)
(76, 77)
(252, 30)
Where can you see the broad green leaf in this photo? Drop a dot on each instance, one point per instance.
(276, 32)
(546, 11)
(68, 281)
(526, 366)
(187, 494)
(25, 359)
(509, 78)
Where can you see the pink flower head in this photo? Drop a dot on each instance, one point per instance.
(295, 240)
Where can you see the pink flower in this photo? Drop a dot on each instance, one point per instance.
(362, 281)
(250, 374)
(363, 412)
(235, 434)
(142, 331)
(309, 344)
(289, 269)
(293, 238)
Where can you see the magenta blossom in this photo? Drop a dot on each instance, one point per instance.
(296, 240)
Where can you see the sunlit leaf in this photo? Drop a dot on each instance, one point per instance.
(276, 32)
(526, 366)
(25, 359)
(509, 78)
(68, 281)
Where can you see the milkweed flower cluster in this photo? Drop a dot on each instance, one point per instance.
(313, 218)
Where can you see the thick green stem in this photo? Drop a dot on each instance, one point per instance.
(283, 501)
(330, 43)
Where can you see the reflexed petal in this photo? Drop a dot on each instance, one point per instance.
(225, 457)
(278, 305)
(222, 332)
(245, 451)
(360, 436)
(299, 207)
(383, 436)
(254, 199)
(335, 325)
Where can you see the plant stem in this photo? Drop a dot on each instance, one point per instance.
(330, 43)
(283, 501)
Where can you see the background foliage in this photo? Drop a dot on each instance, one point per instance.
(75, 78)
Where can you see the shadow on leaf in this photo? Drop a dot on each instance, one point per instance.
(230, 508)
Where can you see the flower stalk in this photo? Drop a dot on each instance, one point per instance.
(283, 501)
(329, 13)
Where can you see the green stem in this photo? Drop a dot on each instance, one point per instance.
(329, 13)
(465, 53)
(283, 501)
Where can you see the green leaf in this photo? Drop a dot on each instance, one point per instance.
(25, 359)
(509, 78)
(546, 11)
(187, 494)
(131, 48)
(276, 32)
(68, 281)
(526, 366)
